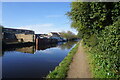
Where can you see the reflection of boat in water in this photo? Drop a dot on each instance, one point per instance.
(45, 46)
(32, 49)
(59, 44)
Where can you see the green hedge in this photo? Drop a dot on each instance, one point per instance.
(105, 55)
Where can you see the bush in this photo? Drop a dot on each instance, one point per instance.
(105, 55)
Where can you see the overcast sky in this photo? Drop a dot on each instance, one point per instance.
(42, 17)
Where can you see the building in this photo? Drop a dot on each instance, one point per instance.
(55, 35)
(42, 36)
(17, 31)
(11, 35)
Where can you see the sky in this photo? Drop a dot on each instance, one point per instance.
(37, 0)
(42, 17)
(60, 0)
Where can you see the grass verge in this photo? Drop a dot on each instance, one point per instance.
(61, 70)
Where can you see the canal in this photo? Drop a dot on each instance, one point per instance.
(27, 62)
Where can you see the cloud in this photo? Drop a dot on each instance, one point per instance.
(53, 16)
(38, 28)
(46, 28)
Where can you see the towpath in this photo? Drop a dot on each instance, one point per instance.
(79, 68)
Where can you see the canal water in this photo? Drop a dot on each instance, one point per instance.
(27, 62)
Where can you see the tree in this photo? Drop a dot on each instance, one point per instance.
(89, 17)
(68, 35)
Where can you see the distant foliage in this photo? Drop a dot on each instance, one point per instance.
(68, 35)
(98, 24)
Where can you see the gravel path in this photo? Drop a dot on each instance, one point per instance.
(79, 68)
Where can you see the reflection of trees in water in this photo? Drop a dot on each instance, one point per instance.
(67, 45)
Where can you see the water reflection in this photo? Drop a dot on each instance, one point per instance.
(32, 49)
(67, 45)
(43, 47)
(1, 54)
(17, 64)
(61, 45)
